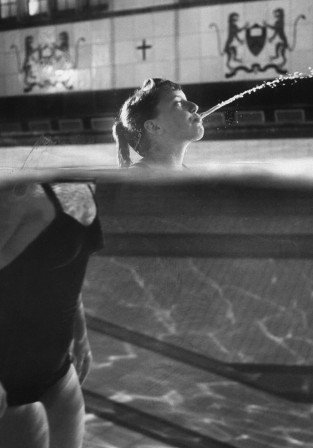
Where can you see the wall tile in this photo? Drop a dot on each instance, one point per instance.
(189, 21)
(13, 85)
(84, 56)
(301, 61)
(163, 2)
(10, 63)
(304, 37)
(163, 69)
(123, 28)
(125, 52)
(3, 91)
(212, 69)
(101, 78)
(301, 7)
(119, 5)
(2, 42)
(100, 55)
(3, 68)
(82, 80)
(164, 49)
(164, 23)
(189, 71)
(256, 13)
(101, 31)
(125, 76)
(189, 45)
(143, 26)
(143, 71)
(213, 14)
(82, 29)
(209, 44)
(11, 38)
(158, 69)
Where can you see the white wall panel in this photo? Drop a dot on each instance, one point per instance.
(125, 76)
(100, 31)
(100, 77)
(164, 23)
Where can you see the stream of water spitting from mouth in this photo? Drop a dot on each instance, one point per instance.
(272, 84)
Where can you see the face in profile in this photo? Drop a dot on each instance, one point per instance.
(178, 118)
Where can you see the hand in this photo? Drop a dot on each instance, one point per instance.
(3, 400)
(82, 357)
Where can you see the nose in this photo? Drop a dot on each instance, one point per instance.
(192, 107)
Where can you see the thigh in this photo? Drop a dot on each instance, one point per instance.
(24, 427)
(65, 410)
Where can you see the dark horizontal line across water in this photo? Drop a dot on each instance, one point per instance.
(208, 245)
(152, 426)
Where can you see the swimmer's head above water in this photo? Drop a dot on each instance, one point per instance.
(158, 122)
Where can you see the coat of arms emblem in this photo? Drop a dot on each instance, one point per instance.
(256, 38)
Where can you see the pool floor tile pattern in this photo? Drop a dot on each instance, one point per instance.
(104, 434)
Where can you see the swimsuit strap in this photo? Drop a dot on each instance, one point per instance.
(53, 197)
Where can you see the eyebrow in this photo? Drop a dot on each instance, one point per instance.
(180, 98)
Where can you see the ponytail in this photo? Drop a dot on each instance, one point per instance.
(128, 129)
(120, 137)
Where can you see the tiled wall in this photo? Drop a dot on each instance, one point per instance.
(119, 5)
(180, 44)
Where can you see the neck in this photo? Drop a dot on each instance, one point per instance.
(166, 157)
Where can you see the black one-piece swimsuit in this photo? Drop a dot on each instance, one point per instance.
(38, 299)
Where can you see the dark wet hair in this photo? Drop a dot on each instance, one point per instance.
(128, 128)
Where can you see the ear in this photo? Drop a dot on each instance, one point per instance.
(152, 127)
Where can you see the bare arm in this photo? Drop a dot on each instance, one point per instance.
(81, 348)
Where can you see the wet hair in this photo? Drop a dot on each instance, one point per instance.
(128, 128)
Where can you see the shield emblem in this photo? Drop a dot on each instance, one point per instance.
(256, 37)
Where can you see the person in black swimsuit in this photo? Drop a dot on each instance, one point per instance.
(47, 234)
(158, 123)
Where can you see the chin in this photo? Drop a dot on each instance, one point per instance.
(199, 134)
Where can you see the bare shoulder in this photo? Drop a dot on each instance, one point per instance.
(18, 198)
(23, 201)
(23, 214)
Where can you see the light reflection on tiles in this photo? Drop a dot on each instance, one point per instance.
(234, 310)
(196, 400)
(104, 434)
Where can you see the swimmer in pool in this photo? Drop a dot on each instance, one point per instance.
(157, 122)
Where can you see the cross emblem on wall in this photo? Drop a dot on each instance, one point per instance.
(144, 47)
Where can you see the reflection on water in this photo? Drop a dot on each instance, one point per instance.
(103, 434)
(212, 407)
(247, 310)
